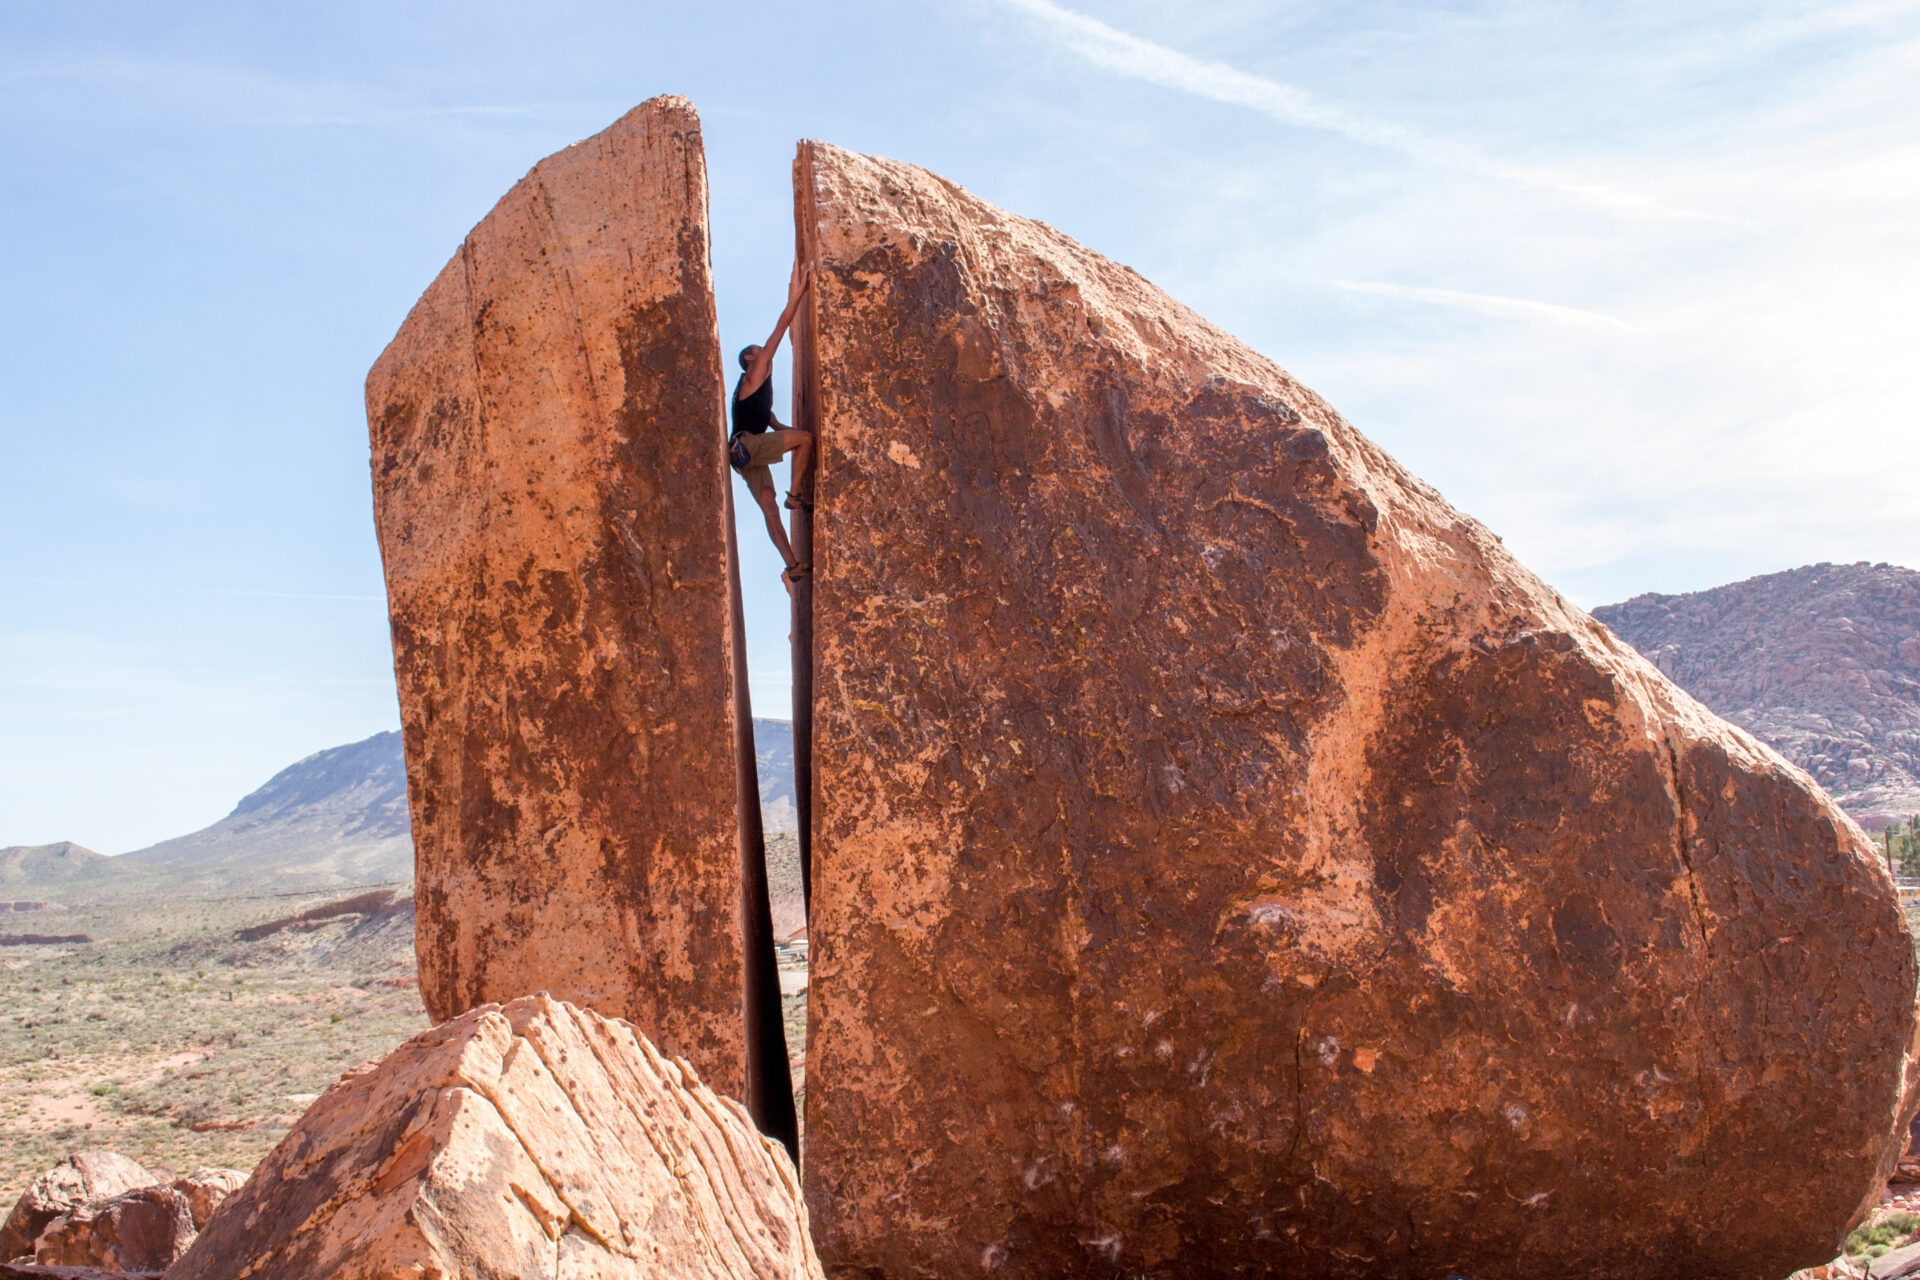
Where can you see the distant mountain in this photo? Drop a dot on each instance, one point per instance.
(773, 749)
(338, 817)
(1821, 662)
(66, 872)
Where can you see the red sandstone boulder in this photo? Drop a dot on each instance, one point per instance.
(549, 490)
(205, 1189)
(80, 1178)
(530, 1140)
(145, 1229)
(1229, 861)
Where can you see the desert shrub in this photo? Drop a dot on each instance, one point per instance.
(1876, 1238)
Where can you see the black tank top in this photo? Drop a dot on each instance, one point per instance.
(753, 413)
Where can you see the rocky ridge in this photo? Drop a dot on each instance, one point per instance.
(338, 817)
(1821, 662)
(69, 872)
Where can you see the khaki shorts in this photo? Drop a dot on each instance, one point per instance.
(763, 450)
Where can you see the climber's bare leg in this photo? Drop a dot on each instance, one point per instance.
(802, 460)
(770, 508)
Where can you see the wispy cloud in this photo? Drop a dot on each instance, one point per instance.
(1129, 55)
(1487, 304)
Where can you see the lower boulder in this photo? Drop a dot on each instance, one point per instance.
(77, 1180)
(146, 1229)
(532, 1139)
(205, 1189)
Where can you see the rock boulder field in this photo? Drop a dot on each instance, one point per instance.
(549, 492)
(99, 1213)
(528, 1140)
(1228, 860)
(83, 1178)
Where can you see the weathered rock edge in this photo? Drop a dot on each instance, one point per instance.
(1230, 861)
(533, 1139)
(548, 491)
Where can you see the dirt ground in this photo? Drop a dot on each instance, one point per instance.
(172, 1038)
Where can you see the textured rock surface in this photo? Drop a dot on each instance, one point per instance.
(1822, 663)
(145, 1229)
(1229, 860)
(88, 1175)
(206, 1189)
(548, 489)
(530, 1140)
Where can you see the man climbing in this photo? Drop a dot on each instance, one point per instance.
(760, 439)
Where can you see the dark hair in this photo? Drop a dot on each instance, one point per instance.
(746, 355)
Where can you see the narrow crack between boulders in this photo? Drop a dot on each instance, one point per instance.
(769, 1083)
(769, 1073)
(1685, 851)
(805, 411)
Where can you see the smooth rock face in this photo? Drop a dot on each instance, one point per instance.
(1229, 861)
(85, 1176)
(530, 1140)
(548, 489)
(146, 1229)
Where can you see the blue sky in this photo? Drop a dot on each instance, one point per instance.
(1633, 283)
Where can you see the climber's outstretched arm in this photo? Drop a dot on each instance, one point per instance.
(762, 363)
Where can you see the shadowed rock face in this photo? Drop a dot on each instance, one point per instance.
(549, 493)
(1229, 861)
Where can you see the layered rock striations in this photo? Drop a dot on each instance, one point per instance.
(1821, 662)
(529, 1140)
(549, 493)
(1229, 861)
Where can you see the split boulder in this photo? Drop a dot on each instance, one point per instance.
(531, 1140)
(549, 487)
(1228, 860)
